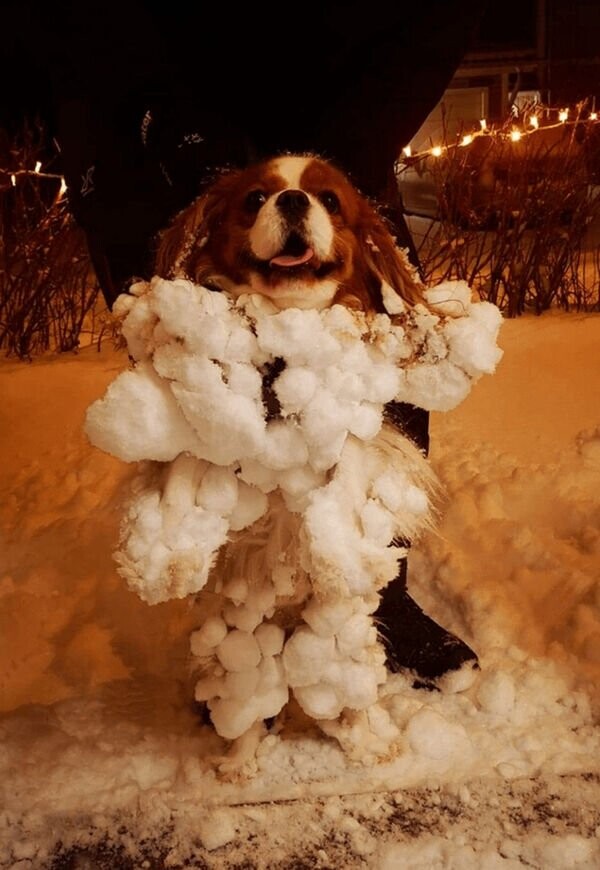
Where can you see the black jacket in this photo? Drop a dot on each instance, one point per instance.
(352, 79)
(219, 84)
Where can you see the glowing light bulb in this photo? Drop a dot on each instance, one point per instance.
(63, 188)
(515, 135)
(563, 115)
(483, 124)
(407, 151)
(38, 166)
(436, 151)
(534, 121)
(593, 116)
(13, 180)
(466, 140)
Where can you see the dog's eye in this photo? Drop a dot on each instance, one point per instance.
(330, 201)
(254, 200)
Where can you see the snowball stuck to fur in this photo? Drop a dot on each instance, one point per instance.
(270, 638)
(250, 506)
(246, 617)
(294, 388)
(238, 651)
(346, 685)
(283, 446)
(218, 490)
(472, 340)
(250, 697)
(397, 493)
(197, 400)
(326, 618)
(272, 674)
(443, 384)
(138, 418)
(202, 374)
(355, 634)
(356, 684)
(241, 685)
(232, 717)
(236, 590)
(161, 560)
(450, 297)
(297, 336)
(377, 522)
(305, 655)
(207, 688)
(320, 701)
(209, 636)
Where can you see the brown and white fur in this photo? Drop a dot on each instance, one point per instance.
(295, 230)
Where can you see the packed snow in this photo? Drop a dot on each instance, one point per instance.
(304, 506)
(104, 756)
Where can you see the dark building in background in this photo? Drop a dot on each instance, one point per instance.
(573, 50)
(551, 47)
(526, 52)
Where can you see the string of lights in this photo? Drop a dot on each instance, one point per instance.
(37, 171)
(532, 120)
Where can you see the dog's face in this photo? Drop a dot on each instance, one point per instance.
(293, 229)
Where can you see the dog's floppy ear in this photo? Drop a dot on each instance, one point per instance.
(181, 246)
(187, 231)
(388, 265)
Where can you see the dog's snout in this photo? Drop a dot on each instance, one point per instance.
(293, 203)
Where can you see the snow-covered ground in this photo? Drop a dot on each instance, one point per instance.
(104, 761)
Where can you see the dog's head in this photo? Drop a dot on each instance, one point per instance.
(293, 229)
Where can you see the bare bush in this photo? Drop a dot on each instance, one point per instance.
(513, 221)
(49, 297)
(514, 218)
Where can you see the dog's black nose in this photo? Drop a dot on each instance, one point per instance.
(293, 204)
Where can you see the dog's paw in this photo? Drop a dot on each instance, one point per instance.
(240, 762)
(366, 736)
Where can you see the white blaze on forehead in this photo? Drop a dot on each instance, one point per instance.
(291, 169)
(269, 232)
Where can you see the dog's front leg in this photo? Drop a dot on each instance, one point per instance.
(181, 481)
(169, 538)
(240, 760)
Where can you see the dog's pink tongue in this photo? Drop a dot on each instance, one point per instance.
(286, 260)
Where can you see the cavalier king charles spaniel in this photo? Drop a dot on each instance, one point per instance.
(293, 229)
(280, 479)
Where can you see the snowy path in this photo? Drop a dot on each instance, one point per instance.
(546, 822)
(100, 740)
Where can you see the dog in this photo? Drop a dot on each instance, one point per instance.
(281, 322)
(293, 229)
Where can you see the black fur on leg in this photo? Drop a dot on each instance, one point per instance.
(414, 641)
